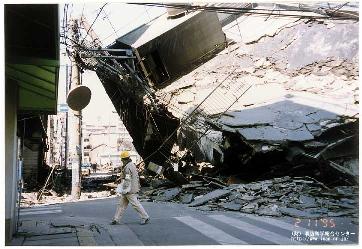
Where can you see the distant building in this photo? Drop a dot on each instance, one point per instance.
(98, 141)
(114, 160)
(102, 142)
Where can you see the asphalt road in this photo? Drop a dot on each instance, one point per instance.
(177, 224)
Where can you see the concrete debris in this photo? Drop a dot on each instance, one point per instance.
(157, 183)
(155, 168)
(251, 206)
(288, 196)
(270, 210)
(343, 213)
(186, 198)
(231, 206)
(214, 195)
(293, 212)
(307, 202)
(29, 199)
(167, 195)
(247, 198)
(192, 185)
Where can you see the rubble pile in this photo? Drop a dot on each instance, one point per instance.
(30, 199)
(97, 183)
(301, 197)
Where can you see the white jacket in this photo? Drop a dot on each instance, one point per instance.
(130, 179)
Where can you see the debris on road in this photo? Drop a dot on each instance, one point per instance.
(301, 197)
(214, 195)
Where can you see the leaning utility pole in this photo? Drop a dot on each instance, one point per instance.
(75, 81)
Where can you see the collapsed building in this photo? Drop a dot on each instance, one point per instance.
(255, 95)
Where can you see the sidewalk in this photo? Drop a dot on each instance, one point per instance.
(73, 232)
(47, 233)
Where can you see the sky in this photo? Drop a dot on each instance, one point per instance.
(115, 20)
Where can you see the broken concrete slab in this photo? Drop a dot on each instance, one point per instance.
(157, 183)
(214, 195)
(348, 201)
(313, 127)
(240, 201)
(204, 208)
(234, 195)
(254, 187)
(271, 133)
(249, 117)
(231, 206)
(186, 198)
(314, 144)
(248, 197)
(167, 195)
(297, 213)
(303, 199)
(342, 213)
(262, 133)
(191, 186)
(270, 210)
(282, 179)
(253, 205)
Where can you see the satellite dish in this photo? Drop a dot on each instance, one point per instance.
(78, 98)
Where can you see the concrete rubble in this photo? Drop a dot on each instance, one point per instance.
(289, 84)
(300, 197)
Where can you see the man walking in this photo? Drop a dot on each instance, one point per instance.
(130, 187)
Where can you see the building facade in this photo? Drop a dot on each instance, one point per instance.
(31, 86)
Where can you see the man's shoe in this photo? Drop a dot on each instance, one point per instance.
(114, 222)
(145, 221)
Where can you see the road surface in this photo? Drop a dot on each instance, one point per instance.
(177, 224)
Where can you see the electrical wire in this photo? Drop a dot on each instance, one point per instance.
(107, 17)
(233, 10)
(95, 19)
(132, 21)
(183, 121)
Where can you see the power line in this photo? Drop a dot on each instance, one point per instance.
(104, 5)
(107, 17)
(233, 10)
(131, 21)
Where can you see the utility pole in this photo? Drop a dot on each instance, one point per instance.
(75, 81)
(66, 120)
